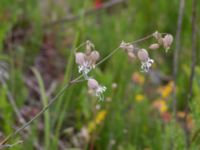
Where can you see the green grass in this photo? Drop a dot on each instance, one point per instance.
(128, 124)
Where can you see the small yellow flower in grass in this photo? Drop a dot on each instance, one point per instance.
(97, 120)
(160, 105)
(165, 91)
(100, 116)
(163, 107)
(139, 97)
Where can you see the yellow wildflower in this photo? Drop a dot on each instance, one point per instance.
(139, 97)
(100, 116)
(161, 105)
(97, 120)
(165, 91)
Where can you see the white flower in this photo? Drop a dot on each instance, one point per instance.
(129, 48)
(145, 60)
(167, 41)
(154, 46)
(98, 89)
(86, 62)
(146, 65)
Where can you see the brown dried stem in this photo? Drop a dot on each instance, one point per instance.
(176, 51)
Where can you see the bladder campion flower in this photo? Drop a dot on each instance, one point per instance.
(89, 46)
(129, 48)
(86, 61)
(167, 41)
(142, 54)
(154, 46)
(145, 60)
(98, 89)
(158, 37)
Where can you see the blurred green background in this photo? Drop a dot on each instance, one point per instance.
(136, 113)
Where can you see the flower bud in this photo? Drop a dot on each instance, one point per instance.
(92, 84)
(122, 45)
(94, 55)
(80, 58)
(89, 46)
(154, 46)
(143, 55)
(128, 47)
(167, 41)
(157, 35)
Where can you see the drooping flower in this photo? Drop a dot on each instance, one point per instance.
(86, 61)
(154, 46)
(96, 88)
(167, 41)
(145, 60)
(89, 46)
(129, 48)
(158, 37)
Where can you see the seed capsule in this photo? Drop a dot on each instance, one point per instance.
(154, 46)
(167, 41)
(94, 55)
(92, 84)
(143, 55)
(80, 58)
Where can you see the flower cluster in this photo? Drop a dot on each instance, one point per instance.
(86, 62)
(142, 54)
(165, 41)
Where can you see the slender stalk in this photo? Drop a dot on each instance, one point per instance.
(193, 64)
(108, 56)
(61, 92)
(175, 62)
(44, 98)
(143, 39)
(176, 51)
(116, 49)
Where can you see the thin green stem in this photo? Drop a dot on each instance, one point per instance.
(108, 56)
(61, 92)
(142, 39)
